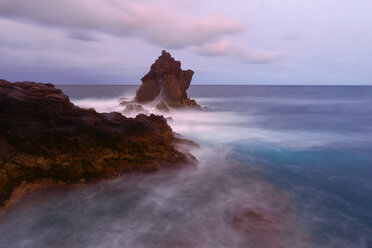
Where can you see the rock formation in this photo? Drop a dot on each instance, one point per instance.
(167, 83)
(44, 136)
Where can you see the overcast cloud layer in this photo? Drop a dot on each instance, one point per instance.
(156, 23)
(225, 42)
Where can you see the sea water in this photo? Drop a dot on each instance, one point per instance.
(279, 166)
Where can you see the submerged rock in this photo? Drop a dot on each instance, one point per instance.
(162, 106)
(44, 136)
(167, 82)
(136, 108)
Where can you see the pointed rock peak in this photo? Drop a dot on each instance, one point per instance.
(168, 81)
(166, 60)
(165, 54)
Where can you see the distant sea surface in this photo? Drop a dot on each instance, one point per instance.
(297, 159)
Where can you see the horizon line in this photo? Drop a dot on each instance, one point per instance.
(71, 84)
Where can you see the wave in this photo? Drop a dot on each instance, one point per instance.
(228, 201)
(223, 127)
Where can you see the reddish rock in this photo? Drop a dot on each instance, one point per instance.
(44, 136)
(166, 81)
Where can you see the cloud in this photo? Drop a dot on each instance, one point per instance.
(220, 48)
(293, 36)
(100, 41)
(82, 36)
(229, 49)
(158, 24)
(33, 52)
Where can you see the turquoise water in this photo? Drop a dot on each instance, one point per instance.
(299, 156)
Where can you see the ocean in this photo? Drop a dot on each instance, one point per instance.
(279, 166)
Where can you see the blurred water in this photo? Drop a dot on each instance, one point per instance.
(300, 156)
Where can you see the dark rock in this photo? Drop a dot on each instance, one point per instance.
(6, 151)
(132, 107)
(162, 106)
(249, 215)
(167, 81)
(44, 136)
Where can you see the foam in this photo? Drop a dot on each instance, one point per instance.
(189, 208)
(224, 127)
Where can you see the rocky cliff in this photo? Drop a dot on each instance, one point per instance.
(44, 136)
(167, 83)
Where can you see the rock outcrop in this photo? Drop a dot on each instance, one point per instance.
(167, 83)
(44, 136)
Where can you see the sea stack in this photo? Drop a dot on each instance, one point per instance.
(166, 83)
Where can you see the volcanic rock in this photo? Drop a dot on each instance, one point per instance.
(134, 108)
(162, 106)
(167, 82)
(44, 136)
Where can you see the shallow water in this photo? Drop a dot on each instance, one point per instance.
(278, 167)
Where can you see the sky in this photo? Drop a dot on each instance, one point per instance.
(268, 42)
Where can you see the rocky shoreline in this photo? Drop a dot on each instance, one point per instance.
(44, 137)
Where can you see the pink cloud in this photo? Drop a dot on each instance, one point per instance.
(162, 25)
(245, 55)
